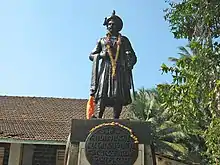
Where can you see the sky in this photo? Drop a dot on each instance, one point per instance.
(45, 44)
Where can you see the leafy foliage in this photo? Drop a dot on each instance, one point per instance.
(167, 137)
(193, 98)
(194, 19)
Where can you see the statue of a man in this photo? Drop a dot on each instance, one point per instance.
(112, 82)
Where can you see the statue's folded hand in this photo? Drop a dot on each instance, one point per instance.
(103, 54)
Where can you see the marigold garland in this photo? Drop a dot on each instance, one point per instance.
(116, 124)
(113, 60)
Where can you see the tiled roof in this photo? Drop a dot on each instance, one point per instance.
(41, 118)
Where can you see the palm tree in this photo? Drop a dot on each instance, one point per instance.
(167, 137)
(196, 143)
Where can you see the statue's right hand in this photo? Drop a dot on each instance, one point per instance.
(102, 54)
(92, 92)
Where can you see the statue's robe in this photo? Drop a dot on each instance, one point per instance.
(104, 86)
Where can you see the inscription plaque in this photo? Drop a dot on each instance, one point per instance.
(111, 144)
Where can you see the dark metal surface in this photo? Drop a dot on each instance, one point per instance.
(112, 91)
(111, 145)
(80, 129)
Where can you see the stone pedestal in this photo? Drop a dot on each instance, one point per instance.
(82, 128)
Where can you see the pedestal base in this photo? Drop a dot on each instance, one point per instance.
(81, 128)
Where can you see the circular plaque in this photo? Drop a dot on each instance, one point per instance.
(111, 145)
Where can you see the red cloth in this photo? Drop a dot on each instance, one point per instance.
(90, 107)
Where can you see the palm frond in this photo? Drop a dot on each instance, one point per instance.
(166, 134)
(175, 136)
(173, 59)
(171, 149)
(165, 131)
(177, 147)
(184, 51)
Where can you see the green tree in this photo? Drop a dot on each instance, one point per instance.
(193, 98)
(167, 137)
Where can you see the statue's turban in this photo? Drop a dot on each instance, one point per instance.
(118, 21)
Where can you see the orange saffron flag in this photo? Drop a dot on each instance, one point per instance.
(90, 107)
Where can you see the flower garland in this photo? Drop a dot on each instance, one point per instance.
(116, 124)
(113, 60)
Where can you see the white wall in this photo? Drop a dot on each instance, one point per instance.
(15, 154)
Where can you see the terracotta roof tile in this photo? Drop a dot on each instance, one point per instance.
(41, 118)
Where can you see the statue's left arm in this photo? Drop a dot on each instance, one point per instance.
(131, 60)
(131, 57)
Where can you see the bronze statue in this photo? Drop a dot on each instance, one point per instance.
(112, 82)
